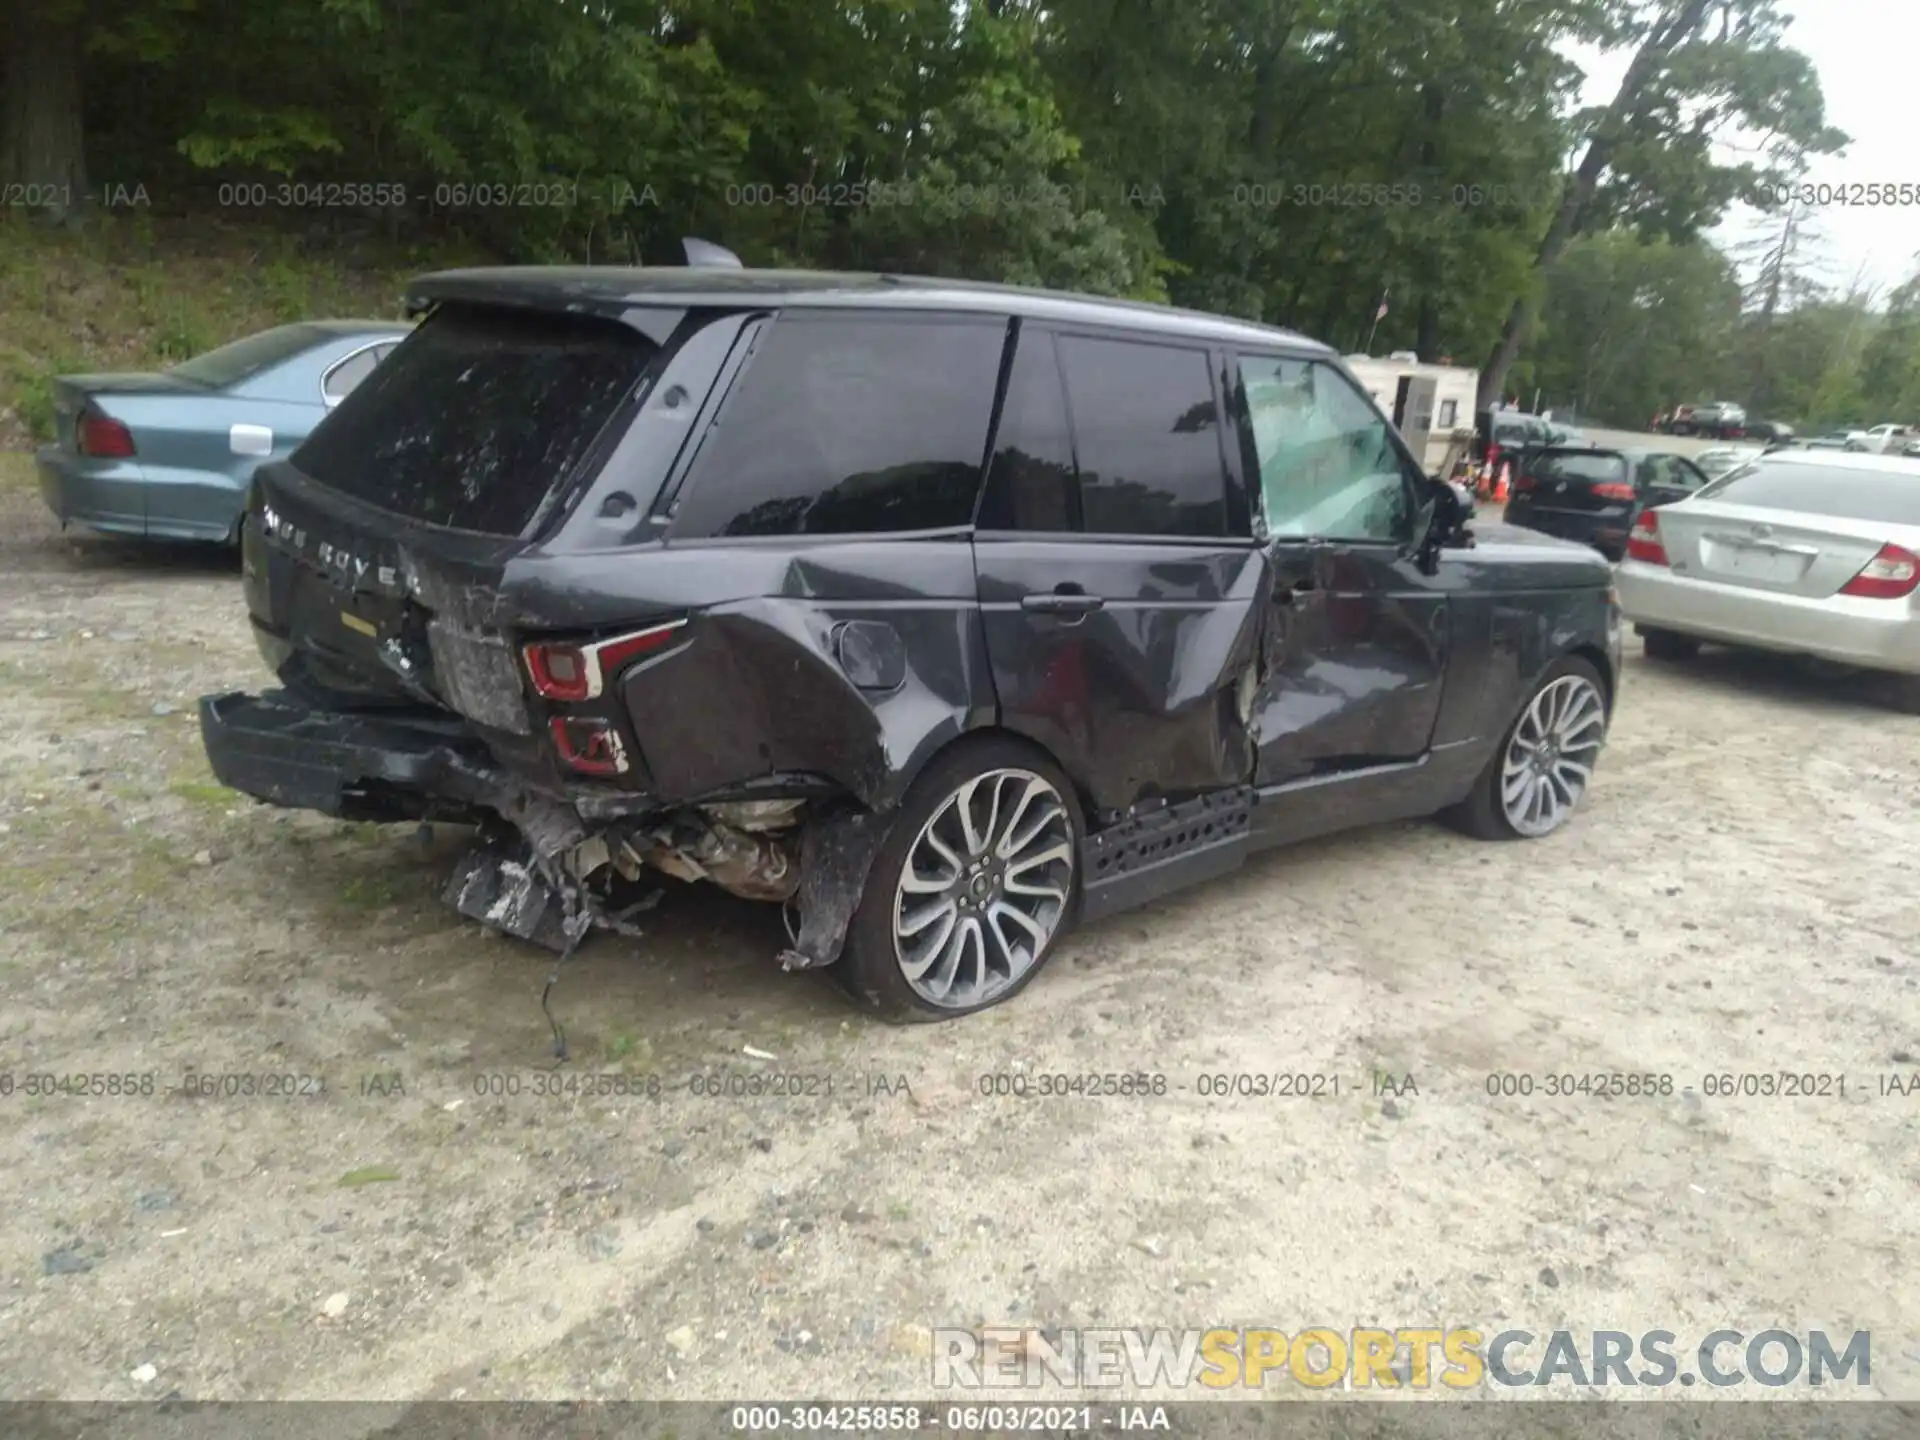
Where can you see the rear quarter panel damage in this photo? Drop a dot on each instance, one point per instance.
(763, 687)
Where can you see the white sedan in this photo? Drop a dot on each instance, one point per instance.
(1803, 552)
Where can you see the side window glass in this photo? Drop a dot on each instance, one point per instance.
(1146, 434)
(1687, 475)
(1031, 483)
(349, 373)
(850, 425)
(1328, 467)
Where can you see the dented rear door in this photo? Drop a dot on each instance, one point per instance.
(1119, 587)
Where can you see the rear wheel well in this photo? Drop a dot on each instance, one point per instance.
(982, 734)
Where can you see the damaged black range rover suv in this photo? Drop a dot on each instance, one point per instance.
(942, 614)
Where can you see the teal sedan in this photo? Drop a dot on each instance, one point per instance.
(168, 455)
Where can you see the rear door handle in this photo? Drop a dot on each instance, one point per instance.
(1062, 602)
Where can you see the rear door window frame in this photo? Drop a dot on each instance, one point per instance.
(1238, 530)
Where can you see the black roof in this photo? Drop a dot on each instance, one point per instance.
(606, 289)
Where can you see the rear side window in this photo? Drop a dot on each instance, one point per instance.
(478, 415)
(348, 373)
(850, 425)
(1887, 496)
(1146, 435)
(1577, 465)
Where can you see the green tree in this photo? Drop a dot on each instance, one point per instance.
(1699, 69)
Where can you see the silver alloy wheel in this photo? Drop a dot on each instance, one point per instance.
(984, 887)
(1549, 761)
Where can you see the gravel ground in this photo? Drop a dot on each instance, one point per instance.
(416, 1221)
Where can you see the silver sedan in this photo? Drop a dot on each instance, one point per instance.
(1803, 552)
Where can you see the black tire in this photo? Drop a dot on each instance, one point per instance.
(1668, 645)
(1481, 814)
(869, 968)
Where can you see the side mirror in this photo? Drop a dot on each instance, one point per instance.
(1442, 521)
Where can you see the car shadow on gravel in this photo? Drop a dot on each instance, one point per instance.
(104, 555)
(1788, 678)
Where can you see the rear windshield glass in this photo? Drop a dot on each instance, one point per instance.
(478, 415)
(1577, 465)
(1888, 496)
(243, 359)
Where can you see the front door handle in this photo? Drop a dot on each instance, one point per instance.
(1062, 600)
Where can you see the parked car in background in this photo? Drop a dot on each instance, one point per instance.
(1881, 439)
(1770, 432)
(1592, 495)
(1503, 435)
(1720, 460)
(1832, 440)
(168, 455)
(1804, 552)
(943, 614)
(1559, 434)
(1721, 420)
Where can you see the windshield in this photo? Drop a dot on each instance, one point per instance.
(1888, 496)
(243, 359)
(478, 416)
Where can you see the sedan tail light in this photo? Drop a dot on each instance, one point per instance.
(104, 438)
(1890, 575)
(1644, 541)
(570, 671)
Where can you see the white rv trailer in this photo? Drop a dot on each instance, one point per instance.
(1431, 404)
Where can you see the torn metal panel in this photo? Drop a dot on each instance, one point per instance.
(1125, 661)
(836, 854)
(508, 893)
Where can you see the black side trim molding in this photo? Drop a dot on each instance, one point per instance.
(1150, 856)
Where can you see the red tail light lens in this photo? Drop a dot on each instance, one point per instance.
(1523, 485)
(588, 746)
(559, 672)
(570, 672)
(1613, 490)
(1643, 543)
(1890, 575)
(104, 438)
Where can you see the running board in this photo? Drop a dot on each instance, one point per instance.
(1147, 857)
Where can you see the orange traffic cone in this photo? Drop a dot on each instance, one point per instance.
(1500, 483)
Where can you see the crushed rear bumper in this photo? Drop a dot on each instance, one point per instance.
(366, 766)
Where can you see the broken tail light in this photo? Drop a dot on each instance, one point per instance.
(104, 438)
(588, 745)
(570, 671)
(1891, 575)
(1643, 543)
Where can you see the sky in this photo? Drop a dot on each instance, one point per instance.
(1867, 53)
